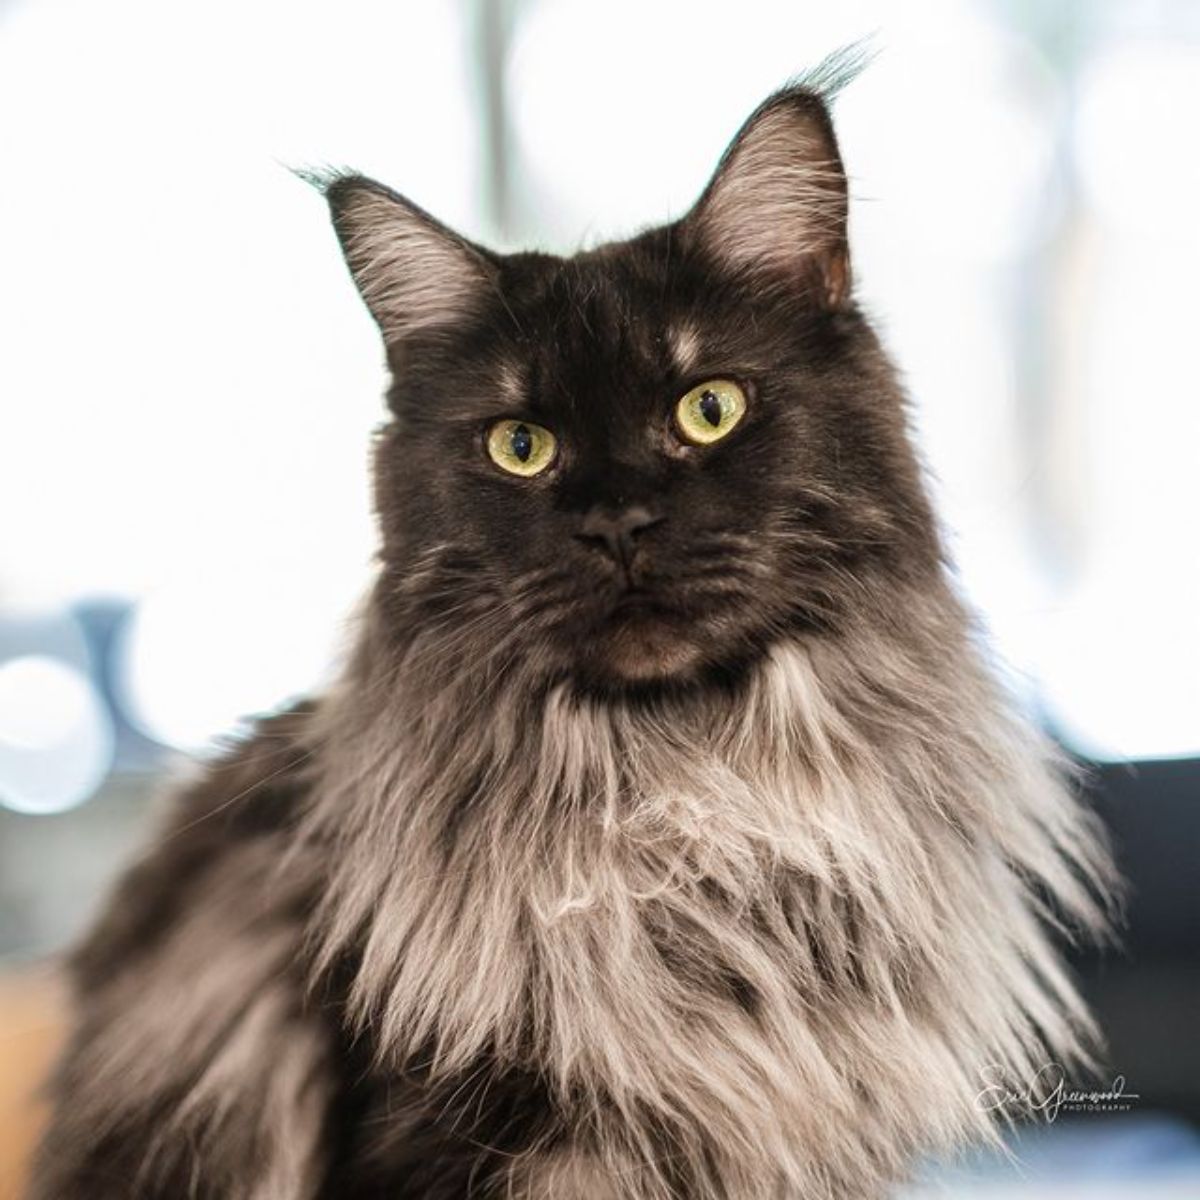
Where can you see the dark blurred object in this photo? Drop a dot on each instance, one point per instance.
(1147, 997)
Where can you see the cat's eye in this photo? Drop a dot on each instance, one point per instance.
(520, 447)
(709, 412)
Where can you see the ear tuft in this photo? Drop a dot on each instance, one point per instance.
(776, 206)
(837, 71)
(414, 274)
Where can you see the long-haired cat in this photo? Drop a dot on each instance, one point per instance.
(666, 835)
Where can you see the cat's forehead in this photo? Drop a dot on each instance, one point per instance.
(612, 322)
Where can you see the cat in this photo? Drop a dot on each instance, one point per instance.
(666, 833)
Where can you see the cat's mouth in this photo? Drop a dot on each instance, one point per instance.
(636, 601)
(643, 637)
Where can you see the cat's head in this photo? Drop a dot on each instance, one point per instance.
(646, 463)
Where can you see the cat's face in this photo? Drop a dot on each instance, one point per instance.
(650, 461)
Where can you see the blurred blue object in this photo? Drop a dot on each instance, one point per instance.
(1135, 1157)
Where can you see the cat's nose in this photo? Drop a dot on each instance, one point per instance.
(616, 532)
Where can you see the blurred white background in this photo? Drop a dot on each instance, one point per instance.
(189, 380)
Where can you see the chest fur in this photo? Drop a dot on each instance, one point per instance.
(743, 937)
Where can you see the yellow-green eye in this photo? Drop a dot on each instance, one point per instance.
(520, 447)
(709, 412)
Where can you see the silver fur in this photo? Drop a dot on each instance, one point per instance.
(865, 840)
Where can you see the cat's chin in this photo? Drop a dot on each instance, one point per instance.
(645, 650)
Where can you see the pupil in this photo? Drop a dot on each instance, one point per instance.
(522, 443)
(710, 408)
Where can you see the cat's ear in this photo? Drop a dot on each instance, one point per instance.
(414, 274)
(776, 207)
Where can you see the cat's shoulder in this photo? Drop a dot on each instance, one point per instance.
(243, 803)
